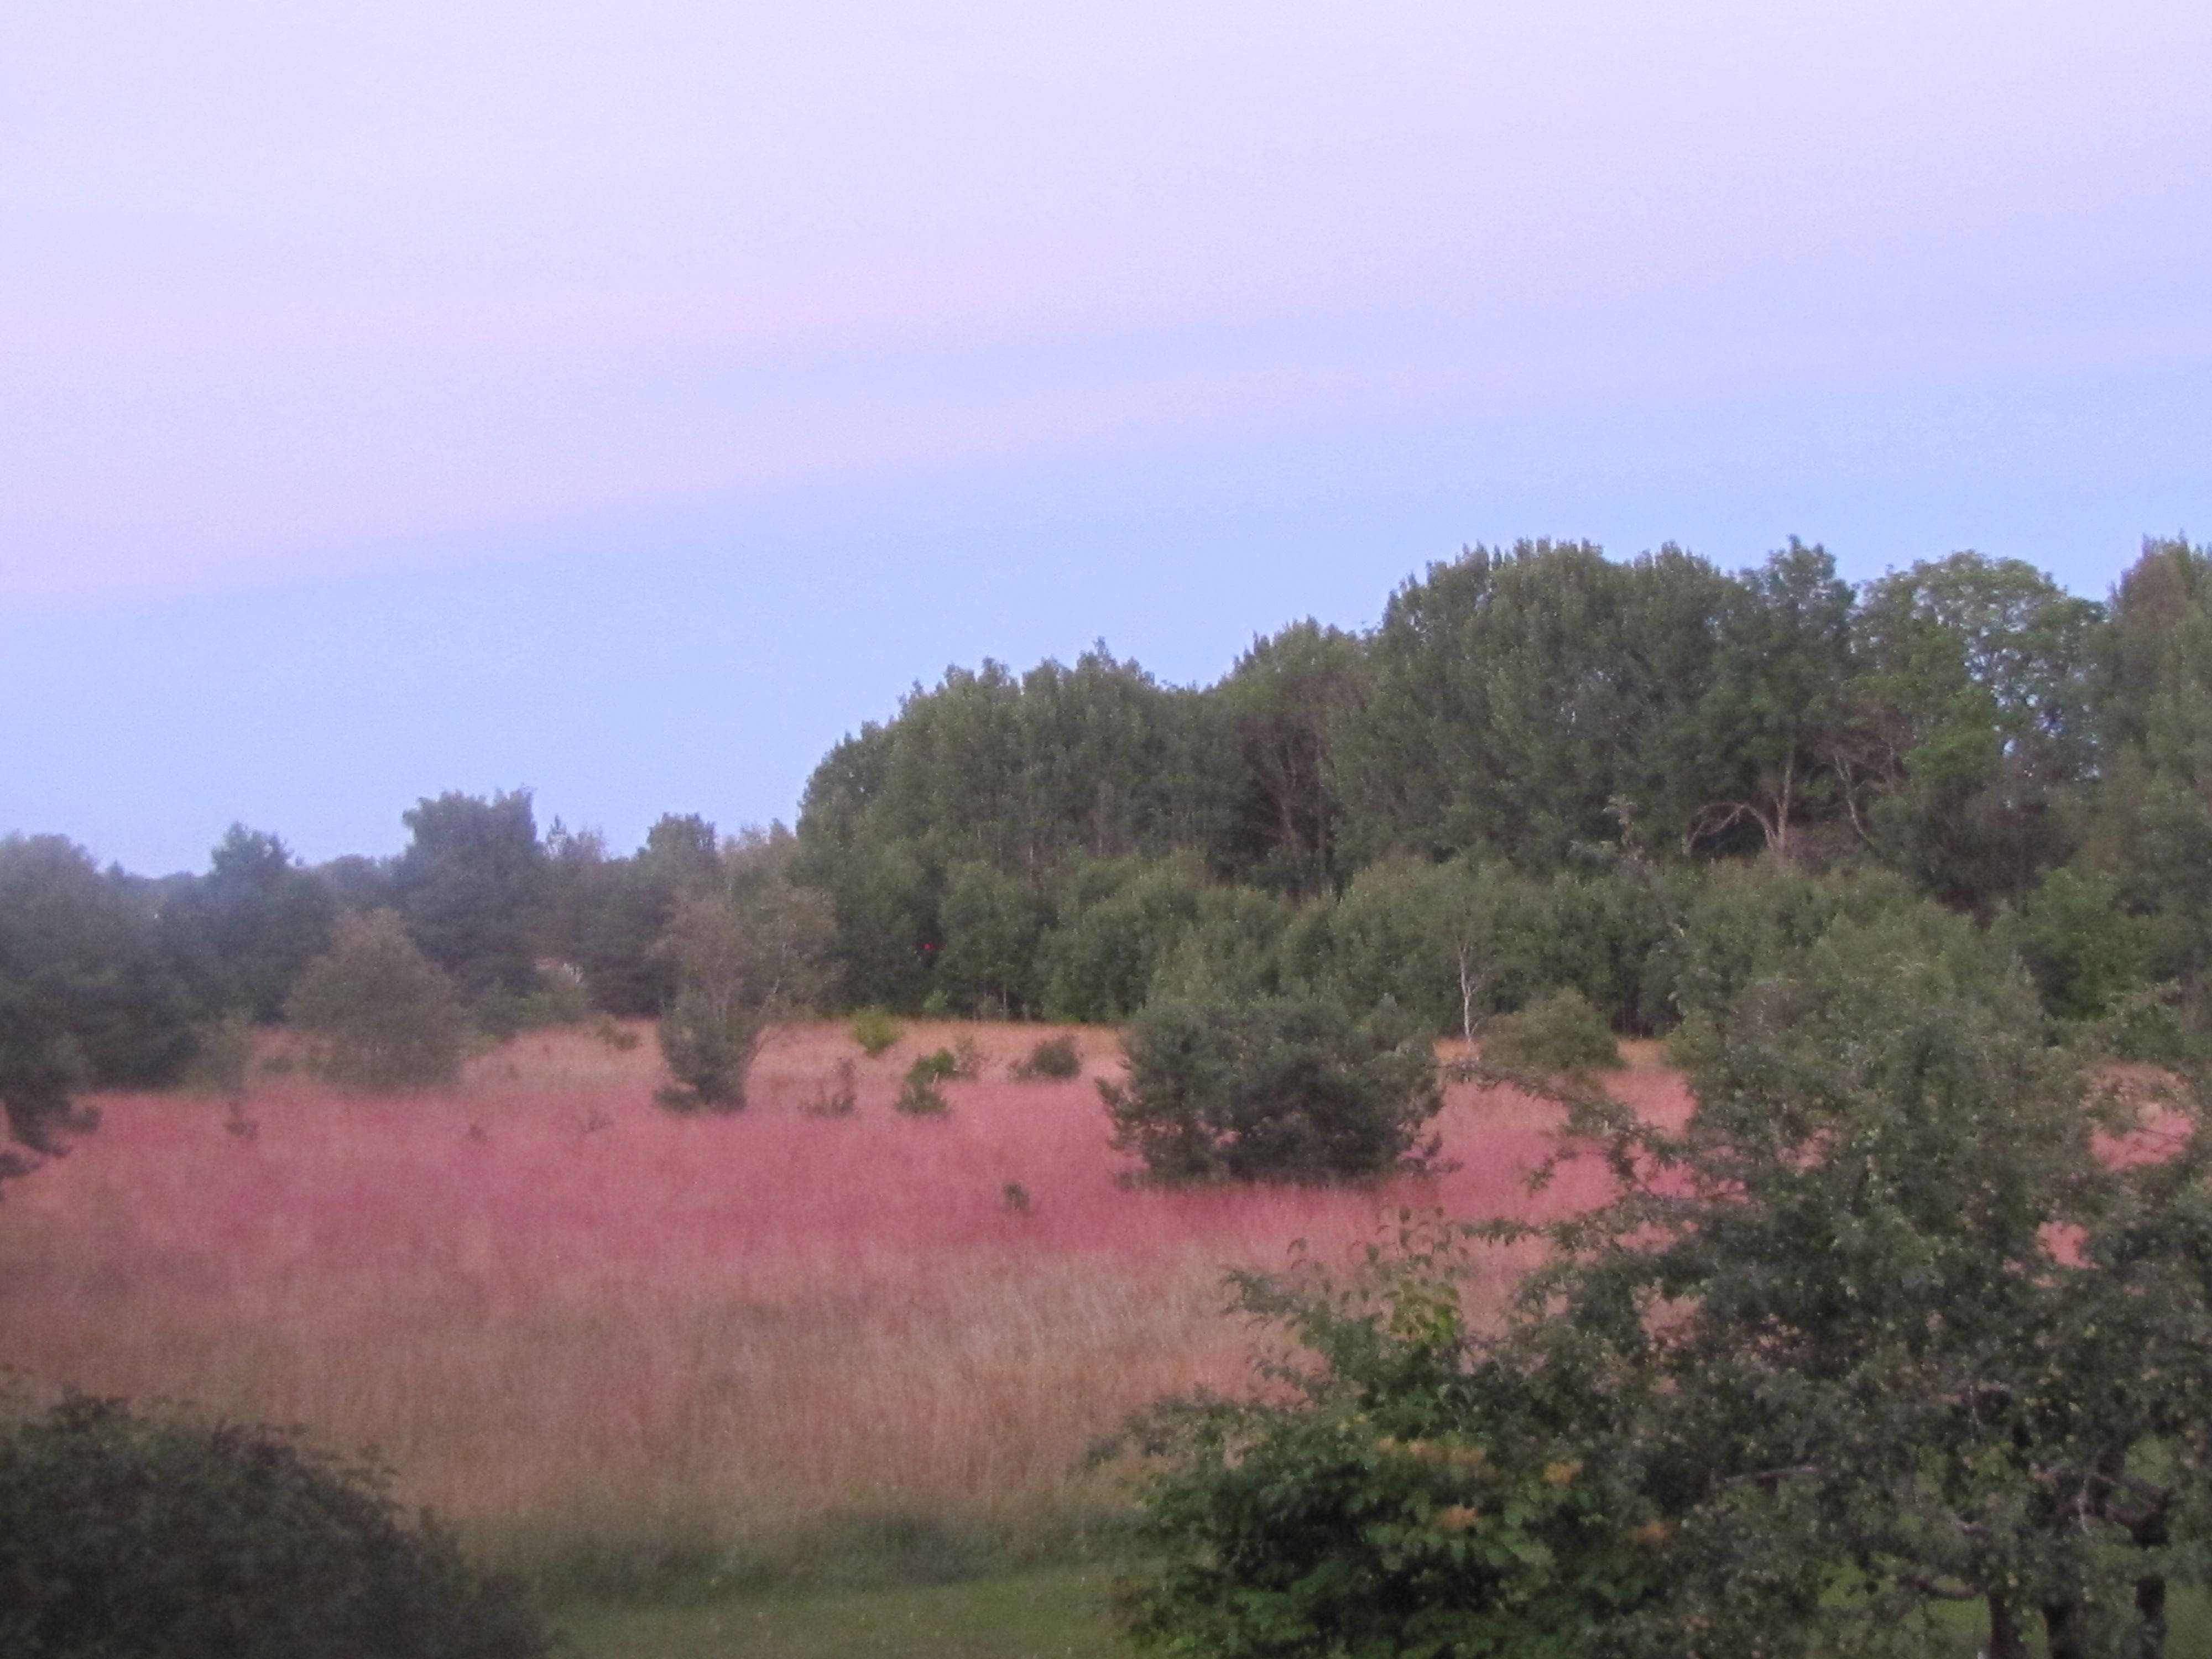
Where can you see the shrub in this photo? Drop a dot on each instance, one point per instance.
(708, 1050)
(1054, 1059)
(379, 1015)
(838, 1099)
(1287, 1090)
(1558, 1033)
(875, 1031)
(160, 1538)
(919, 1098)
(967, 1058)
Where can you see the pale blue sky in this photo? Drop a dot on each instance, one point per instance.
(627, 399)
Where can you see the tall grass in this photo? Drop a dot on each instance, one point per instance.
(607, 1340)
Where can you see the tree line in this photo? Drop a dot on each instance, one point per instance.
(1541, 768)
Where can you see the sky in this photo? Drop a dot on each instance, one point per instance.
(626, 400)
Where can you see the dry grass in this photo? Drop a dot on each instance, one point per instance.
(575, 1323)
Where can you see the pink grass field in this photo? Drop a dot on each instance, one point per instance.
(568, 1317)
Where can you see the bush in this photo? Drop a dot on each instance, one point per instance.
(160, 1538)
(918, 1095)
(875, 1031)
(1054, 1059)
(708, 1049)
(378, 1014)
(1288, 1090)
(838, 1099)
(1558, 1033)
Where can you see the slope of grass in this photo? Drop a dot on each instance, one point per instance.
(1058, 1614)
(619, 1347)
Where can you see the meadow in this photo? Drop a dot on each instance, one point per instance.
(640, 1356)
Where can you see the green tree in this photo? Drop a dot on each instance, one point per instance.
(1768, 726)
(1287, 697)
(160, 1537)
(1293, 1088)
(89, 997)
(1876, 1330)
(250, 925)
(380, 1013)
(753, 952)
(2153, 833)
(1969, 743)
(471, 885)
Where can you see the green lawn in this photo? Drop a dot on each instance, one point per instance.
(1055, 1614)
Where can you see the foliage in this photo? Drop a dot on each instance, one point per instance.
(248, 929)
(88, 998)
(1560, 1032)
(1394, 1490)
(746, 955)
(1053, 1059)
(1879, 1329)
(2085, 951)
(1294, 1089)
(472, 886)
(380, 1014)
(918, 1095)
(163, 1538)
(876, 1031)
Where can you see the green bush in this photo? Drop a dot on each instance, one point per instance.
(160, 1538)
(1558, 1033)
(379, 1015)
(708, 1050)
(1052, 1059)
(875, 1031)
(1293, 1088)
(918, 1095)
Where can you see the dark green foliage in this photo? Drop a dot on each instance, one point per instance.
(1515, 696)
(1969, 742)
(918, 1095)
(1293, 1089)
(2084, 951)
(1118, 922)
(124, 1537)
(89, 996)
(472, 887)
(990, 923)
(250, 927)
(1560, 1032)
(708, 1049)
(1052, 1059)
(1889, 1333)
(750, 953)
(1394, 1492)
(380, 1014)
(1287, 700)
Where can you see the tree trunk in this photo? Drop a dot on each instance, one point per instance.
(2066, 1630)
(2150, 1617)
(2006, 1639)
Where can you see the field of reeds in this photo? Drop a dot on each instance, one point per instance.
(617, 1346)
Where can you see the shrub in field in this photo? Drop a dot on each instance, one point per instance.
(1558, 1033)
(1288, 1090)
(918, 1095)
(967, 1058)
(875, 1031)
(745, 957)
(1052, 1059)
(839, 1099)
(159, 1538)
(379, 1015)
